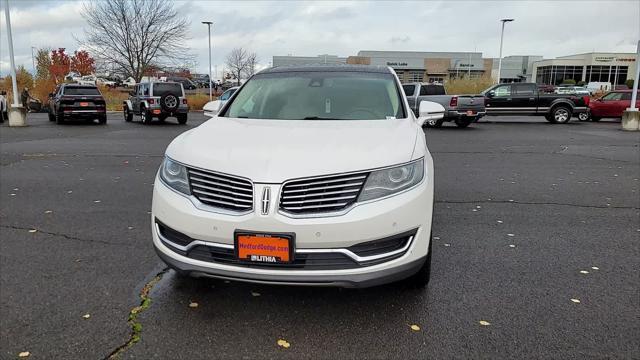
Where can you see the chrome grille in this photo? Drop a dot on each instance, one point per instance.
(321, 195)
(221, 190)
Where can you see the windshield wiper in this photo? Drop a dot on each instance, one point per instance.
(319, 118)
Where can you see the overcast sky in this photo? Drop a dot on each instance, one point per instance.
(547, 28)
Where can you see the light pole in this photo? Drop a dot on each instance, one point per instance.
(634, 92)
(501, 38)
(209, 23)
(33, 63)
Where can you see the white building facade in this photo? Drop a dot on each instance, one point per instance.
(614, 68)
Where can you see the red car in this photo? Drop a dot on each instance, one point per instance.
(612, 104)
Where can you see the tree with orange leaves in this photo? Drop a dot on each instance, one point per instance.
(83, 63)
(60, 64)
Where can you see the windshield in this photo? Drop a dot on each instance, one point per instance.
(81, 91)
(160, 89)
(315, 95)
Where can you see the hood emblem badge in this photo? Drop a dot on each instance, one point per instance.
(266, 200)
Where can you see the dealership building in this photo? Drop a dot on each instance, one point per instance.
(614, 68)
(427, 66)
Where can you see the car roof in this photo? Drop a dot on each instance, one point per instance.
(328, 68)
(78, 85)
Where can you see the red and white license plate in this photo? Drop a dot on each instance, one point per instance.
(84, 104)
(264, 248)
(469, 112)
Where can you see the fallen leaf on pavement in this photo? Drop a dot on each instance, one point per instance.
(415, 327)
(511, 235)
(96, 201)
(595, 268)
(254, 293)
(584, 272)
(283, 343)
(484, 323)
(24, 354)
(576, 301)
(512, 245)
(48, 211)
(32, 230)
(86, 316)
(193, 305)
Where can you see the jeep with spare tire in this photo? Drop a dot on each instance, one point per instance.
(156, 100)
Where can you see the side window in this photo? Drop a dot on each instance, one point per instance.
(225, 95)
(503, 90)
(614, 96)
(146, 89)
(137, 90)
(525, 89)
(409, 89)
(626, 96)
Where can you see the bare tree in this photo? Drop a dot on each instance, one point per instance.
(237, 62)
(133, 35)
(241, 62)
(251, 64)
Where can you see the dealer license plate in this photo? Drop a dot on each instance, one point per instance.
(264, 248)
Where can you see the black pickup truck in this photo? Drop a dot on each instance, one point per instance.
(526, 99)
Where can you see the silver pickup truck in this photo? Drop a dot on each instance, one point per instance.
(461, 109)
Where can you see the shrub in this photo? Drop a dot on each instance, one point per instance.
(568, 82)
(468, 86)
(197, 101)
(581, 83)
(629, 83)
(114, 98)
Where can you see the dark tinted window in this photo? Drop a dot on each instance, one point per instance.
(81, 91)
(525, 89)
(409, 89)
(318, 95)
(627, 95)
(432, 90)
(160, 89)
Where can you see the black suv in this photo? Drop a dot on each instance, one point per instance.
(73, 101)
(156, 100)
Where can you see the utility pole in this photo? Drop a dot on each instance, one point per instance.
(209, 23)
(501, 38)
(634, 92)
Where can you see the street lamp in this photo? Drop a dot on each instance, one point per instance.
(33, 63)
(209, 23)
(501, 38)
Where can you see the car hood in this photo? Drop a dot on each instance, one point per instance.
(272, 151)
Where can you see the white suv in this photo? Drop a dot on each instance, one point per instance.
(307, 176)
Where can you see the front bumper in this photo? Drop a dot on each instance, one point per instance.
(410, 211)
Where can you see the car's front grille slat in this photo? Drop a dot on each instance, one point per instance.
(221, 191)
(314, 200)
(321, 194)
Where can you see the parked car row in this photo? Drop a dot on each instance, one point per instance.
(151, 100)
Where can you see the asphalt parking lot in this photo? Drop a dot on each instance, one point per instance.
(537, 230)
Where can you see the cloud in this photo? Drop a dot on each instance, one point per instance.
(343, 28)
(400, 40)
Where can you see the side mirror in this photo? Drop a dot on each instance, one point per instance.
(212, 107)
(429, 112)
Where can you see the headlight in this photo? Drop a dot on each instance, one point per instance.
(175, 176)
(389, 181)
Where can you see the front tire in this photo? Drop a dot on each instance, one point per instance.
(422, 277)
(560, 114)
(128, 116)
